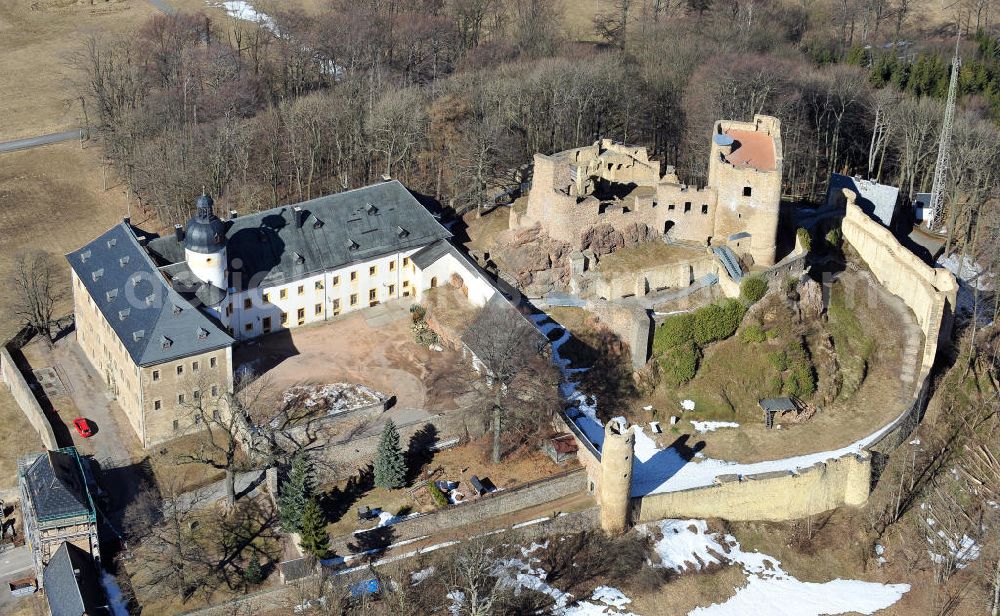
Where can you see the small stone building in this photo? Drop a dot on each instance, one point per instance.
(56, 505)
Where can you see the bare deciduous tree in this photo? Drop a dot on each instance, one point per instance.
(511, 351)
(37, 291)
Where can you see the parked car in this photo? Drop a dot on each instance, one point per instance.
(83, 427)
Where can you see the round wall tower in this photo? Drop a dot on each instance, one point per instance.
(616, 475)
(205, 245)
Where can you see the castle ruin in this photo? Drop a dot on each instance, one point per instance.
(577, 191)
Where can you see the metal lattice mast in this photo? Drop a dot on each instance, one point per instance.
(944, 147)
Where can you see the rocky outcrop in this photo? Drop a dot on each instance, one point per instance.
(534, 258)
(604, 239)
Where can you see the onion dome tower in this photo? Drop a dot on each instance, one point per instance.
(205, 244)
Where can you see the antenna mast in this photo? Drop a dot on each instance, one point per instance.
(944, 147)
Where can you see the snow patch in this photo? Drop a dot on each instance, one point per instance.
(687, 405)
(419, 576)
(116, 601)
(711, 426)
(770, 591)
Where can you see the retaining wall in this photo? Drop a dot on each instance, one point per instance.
(775, 496)
(19, 389)
(496, 504)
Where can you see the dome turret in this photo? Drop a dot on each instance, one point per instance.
(205, 232)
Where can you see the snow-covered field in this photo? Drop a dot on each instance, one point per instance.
(657, 470)
(770, 591)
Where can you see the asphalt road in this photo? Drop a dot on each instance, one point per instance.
(33, 142)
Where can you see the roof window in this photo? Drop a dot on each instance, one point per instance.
(123, 314)
(165, 342)
(138, 335)
(96, 274)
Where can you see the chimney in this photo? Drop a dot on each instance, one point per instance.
(300, 216)
(127, 220)
(232, 214)
(179, 233)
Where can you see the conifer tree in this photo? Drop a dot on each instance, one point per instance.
(315, 540)
(390, 464)
(295, 493)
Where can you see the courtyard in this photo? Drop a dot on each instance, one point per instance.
(372, 347)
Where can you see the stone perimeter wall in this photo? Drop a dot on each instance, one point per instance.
(22, 393)
(784, 495)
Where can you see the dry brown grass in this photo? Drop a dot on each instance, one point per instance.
(37, 40)
(483, 230)
(645, 256)
(183, 477)
(17, 436)
(52, 199)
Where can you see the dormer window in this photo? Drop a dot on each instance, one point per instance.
(112, 294)
(166, 343)
(176, 309)
(123, 314)
(401, 232)
(202, 333)
(112, 242)
(299, 259)
(150, 298)
(96, 274)
(123, 261)
(84, 256)
(371, 209)
(138, 335)
(317, 224)
(352, 245)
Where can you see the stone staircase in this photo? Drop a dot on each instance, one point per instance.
(730, 262)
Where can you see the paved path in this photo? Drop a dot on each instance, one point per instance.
(14, 561)
(33, 142)
(163, 7)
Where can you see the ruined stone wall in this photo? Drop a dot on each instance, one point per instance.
(649, 280)
(25, 398)
(929, 292)
(560, 199)
(631, 324)
(770, 496)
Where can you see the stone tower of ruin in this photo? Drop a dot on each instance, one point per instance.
(616, 475)
(745, 169)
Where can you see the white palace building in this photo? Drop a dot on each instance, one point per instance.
(157, 315)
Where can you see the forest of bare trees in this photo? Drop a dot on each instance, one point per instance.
(452, 97)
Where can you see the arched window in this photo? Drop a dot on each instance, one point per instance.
(434, 282)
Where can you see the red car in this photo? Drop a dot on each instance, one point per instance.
(82, 427)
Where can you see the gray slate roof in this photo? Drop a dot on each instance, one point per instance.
(270, 248)
(57, 487)
(878, 200)
(154, 323)
(70, 593)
